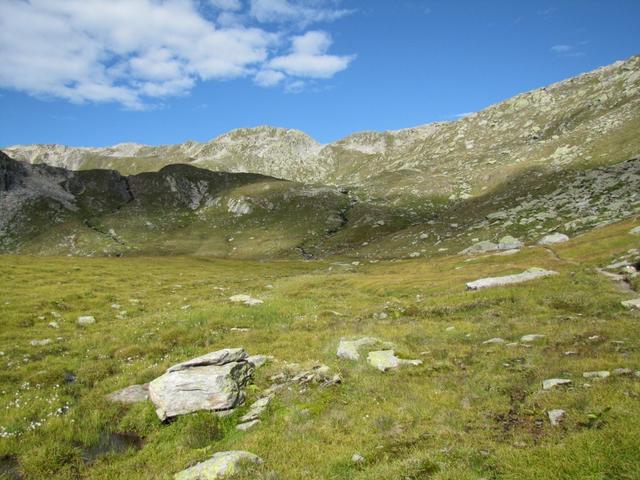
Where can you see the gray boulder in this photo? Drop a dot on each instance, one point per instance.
(555, 382)
(86, 320)
(220, 465)
(530, 274)
(635, 231)
(553, 239)
(211, 382)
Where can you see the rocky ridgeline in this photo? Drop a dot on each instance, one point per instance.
(568, 123)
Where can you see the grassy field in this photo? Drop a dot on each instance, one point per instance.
(471, 411)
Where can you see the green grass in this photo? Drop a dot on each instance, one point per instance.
(471, 411)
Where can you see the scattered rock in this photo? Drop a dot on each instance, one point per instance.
(131, 394)
(348, 349)
(494, 341)
(531, 338)
(553, 239)
(256, 409)
(243, 427)
(509, 243)
(635, 303)
(619, 372)
(596, 375)
(220, 465)
(556, 416)
(357, 458)
(245, 299)
(635, 231)
(554, 382)
(86, 320)
(383, 360)
(54, 324)
(530, 274)
(40, 343)
(211, 382)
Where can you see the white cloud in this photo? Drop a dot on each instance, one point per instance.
(269, 78)
(308, 57)
(132, 52)
(303, 12)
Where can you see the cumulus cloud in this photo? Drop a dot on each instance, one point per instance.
(303, 12)
(308, 57)
(135, 52)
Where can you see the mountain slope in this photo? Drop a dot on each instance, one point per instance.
(589, 120)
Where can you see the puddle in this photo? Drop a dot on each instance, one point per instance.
(9, 468)
(110, 442)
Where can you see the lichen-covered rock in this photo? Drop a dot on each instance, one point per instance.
(211, 382)
(220, 465)
(530, 274)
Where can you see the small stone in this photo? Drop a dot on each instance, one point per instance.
(596, 375)
(622, 372)
(494, 341)
(635, 231)
(554, 382)
(245, 299)
(54, 324)
(383, 360)
(531, 338)
(86, 320)
(348, 349)
(40, 343)
(357, 458)
(247, 425)
(556, 416)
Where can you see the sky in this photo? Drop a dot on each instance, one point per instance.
(101, 72)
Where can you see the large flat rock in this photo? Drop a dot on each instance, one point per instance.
(527, 275)
(211, 382)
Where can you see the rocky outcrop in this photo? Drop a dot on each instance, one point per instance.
(553, 238)
(212, 382)
(131, 394)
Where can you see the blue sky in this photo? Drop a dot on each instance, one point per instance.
(100, 72)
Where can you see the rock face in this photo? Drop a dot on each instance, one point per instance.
(220, 465)
(384, 360)
(530, 274)
(211, 382)
(131, 394)
(553, 239)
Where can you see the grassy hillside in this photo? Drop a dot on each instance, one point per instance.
(471, 411)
